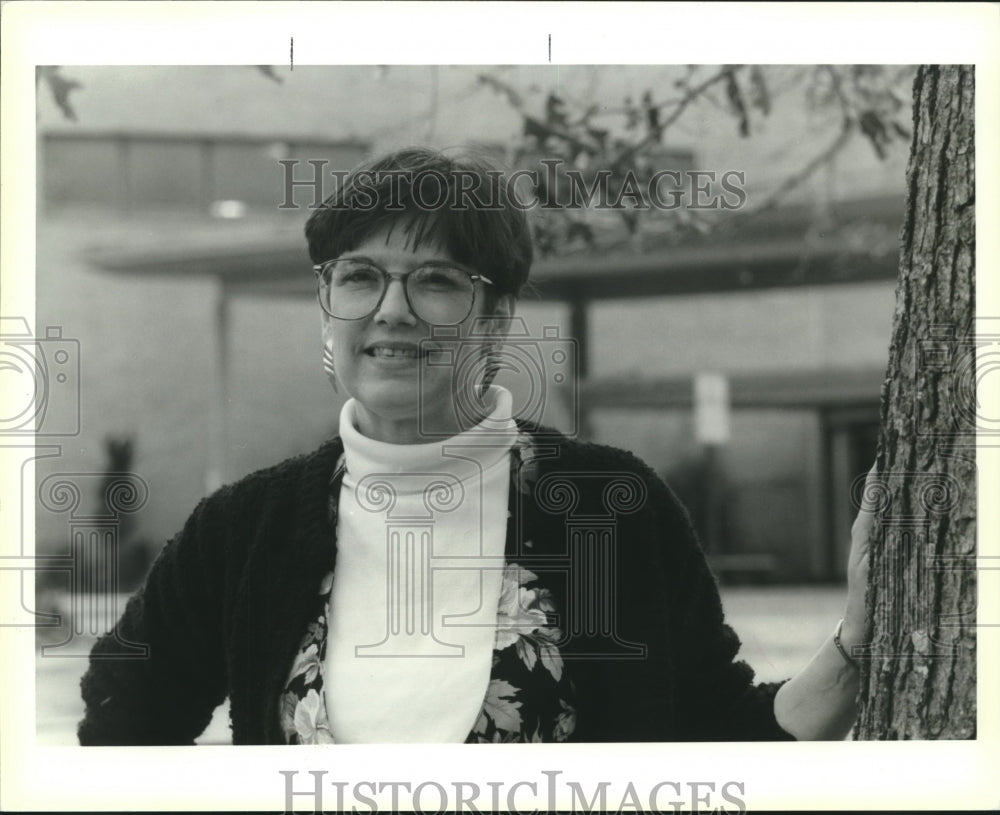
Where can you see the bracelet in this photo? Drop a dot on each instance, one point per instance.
(840, 646)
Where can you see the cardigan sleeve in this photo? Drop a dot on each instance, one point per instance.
(716, 697)
(167, 696)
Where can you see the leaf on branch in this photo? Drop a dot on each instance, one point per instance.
(501, 87)
(555, 111)
(269, 72)
(534, 129)
(736, 102)
(760, 96)
(875, 131)
(599, 136)
(689, 71)
(653, 126)
(543, 132)
(632, 114)
(60, 87)
(588, 114)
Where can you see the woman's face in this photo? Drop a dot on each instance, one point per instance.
(379, 360)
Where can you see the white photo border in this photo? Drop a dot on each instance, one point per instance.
(849, 775)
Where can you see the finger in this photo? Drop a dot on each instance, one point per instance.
(871, 496)
(871, 491)
(862, 527)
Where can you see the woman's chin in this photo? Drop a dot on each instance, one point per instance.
(391, 401)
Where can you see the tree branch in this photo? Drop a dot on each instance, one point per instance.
(796, 179)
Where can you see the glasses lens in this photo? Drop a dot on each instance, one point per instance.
(440, 295)
(351, 289)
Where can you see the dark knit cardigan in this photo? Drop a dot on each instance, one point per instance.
(228, 599)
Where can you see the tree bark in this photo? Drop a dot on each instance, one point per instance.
(918, 671)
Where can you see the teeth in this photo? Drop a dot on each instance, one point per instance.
(395, 352)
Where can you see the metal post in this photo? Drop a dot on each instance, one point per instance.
(215, 475)
(579, 331)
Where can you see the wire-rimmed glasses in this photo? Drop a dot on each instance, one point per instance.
(438, 293)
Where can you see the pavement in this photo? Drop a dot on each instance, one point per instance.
(780, 626)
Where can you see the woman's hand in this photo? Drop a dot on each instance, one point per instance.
(820, 701)
(853, 631)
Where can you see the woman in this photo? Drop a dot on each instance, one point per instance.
(439, 571)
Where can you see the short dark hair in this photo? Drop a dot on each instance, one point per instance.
(483, 227)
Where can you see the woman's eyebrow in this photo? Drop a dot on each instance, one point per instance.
(417, 265)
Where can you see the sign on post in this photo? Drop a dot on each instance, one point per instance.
(711, 408)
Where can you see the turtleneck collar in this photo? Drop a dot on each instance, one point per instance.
(488, 442)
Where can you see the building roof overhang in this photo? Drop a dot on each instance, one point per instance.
(855, 241)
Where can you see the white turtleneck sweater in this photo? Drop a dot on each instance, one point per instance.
(421, 530)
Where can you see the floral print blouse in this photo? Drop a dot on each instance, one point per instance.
(529, 697)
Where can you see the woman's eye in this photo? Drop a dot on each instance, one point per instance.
(359, 275)
(442, 279)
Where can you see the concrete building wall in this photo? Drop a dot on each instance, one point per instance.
(147, 371)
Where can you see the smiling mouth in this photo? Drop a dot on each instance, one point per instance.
(391, 353)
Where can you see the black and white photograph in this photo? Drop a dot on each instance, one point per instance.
(625, 405)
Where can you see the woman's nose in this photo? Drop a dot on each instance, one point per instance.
(394, 308)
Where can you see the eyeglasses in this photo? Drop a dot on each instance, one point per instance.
(437, 293)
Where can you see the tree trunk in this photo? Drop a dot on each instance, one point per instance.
(918, 677)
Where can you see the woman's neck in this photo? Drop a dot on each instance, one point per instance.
(391, 431)
(409, 430)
